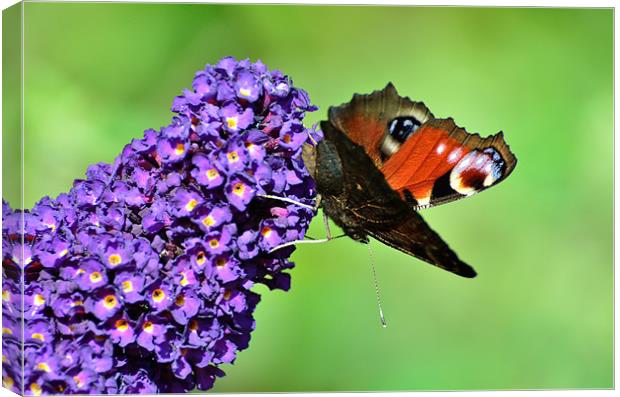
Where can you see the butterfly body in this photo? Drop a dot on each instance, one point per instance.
(384, 157)
(355, 201)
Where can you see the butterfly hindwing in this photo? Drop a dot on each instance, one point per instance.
(413, 236)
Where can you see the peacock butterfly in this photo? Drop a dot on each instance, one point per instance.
(385, 156)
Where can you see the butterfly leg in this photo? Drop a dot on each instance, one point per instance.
(328, 233)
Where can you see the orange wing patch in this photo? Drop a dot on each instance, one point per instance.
(441, 162)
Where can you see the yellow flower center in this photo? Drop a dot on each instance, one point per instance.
(35, 389)
(179, 149)
(148, 327)
(114, 259)
(201, 258)
(244, 91)
(191, 205)
(6, 295)
(239, 189)
(63, 253)
(212, 174)
(78, 382)
(7, 382)
(77, 303)
(184, 281)
(121, 325)
(39, 300)
(158, 295)
(127, 286)
(38, 336)
(266, 232)
(7, 331)
(208, 221)
(213, 243)
(233, 157)
(110, 302)
(43, 367)
(231, 122)
(95, 277)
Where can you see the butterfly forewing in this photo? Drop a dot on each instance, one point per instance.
(365, 118)
(428, 161)
(442, 162)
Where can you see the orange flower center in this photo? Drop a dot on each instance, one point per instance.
(179, 149)
(121, 325)
(193, 326)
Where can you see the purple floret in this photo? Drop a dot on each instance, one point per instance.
(139, 279)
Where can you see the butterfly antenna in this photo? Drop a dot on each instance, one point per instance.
(310, 240)
(287, 200)
(377, 291)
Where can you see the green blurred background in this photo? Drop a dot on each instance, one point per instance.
(540, 314)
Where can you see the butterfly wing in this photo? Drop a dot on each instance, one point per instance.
(413, 236)
(358, 198)
(365, 117)
(428, 161)
(442, 162)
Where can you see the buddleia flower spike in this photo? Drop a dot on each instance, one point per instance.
(139, 279)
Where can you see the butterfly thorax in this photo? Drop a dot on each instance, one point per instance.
(354, 193)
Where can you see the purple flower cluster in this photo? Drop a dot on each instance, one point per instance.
(139, 280)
